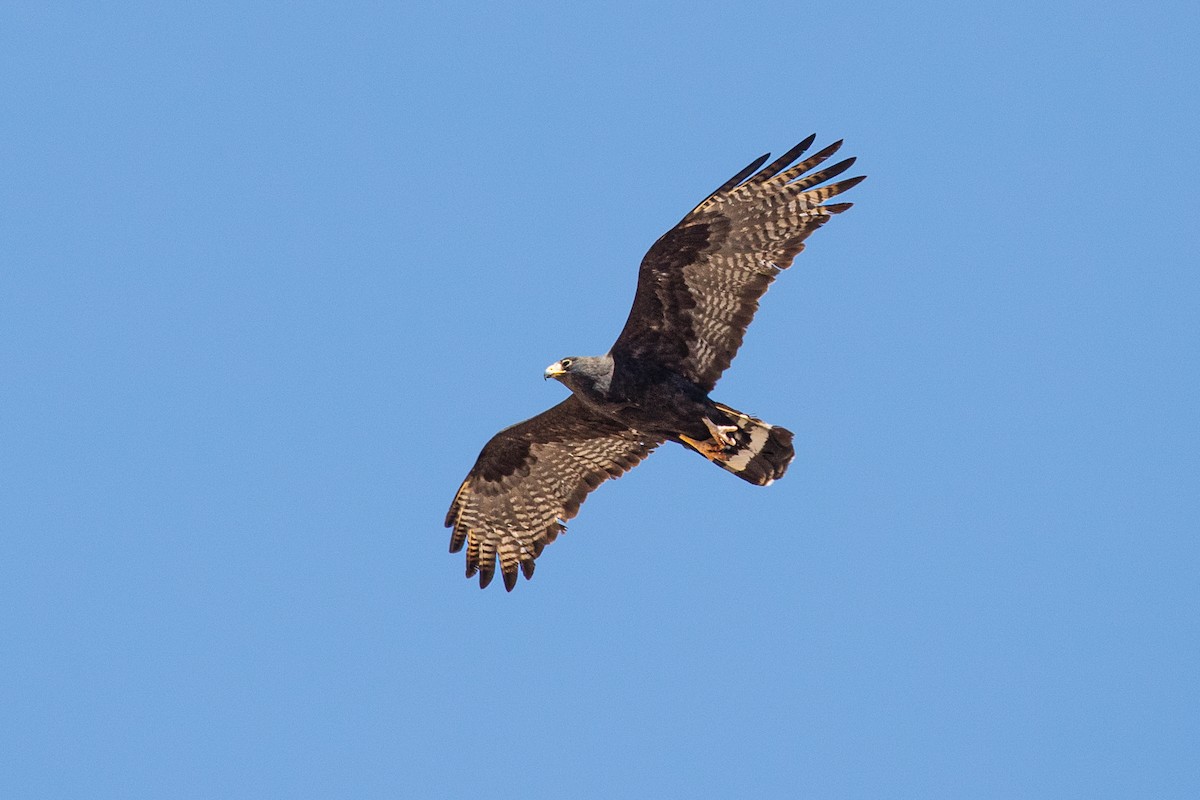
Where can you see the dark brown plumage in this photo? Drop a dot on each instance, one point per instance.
(698, 288)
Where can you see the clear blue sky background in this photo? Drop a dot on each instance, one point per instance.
(273, 275)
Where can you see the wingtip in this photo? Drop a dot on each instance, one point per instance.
(781, 163)
(798, 150)
(828, 151)
(850, 183)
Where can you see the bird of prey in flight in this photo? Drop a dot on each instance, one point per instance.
(698, 288)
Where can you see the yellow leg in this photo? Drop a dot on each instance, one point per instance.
(715, 448)
(709, 449)
(720, 433)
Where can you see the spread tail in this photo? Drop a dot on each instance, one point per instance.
(747, 447)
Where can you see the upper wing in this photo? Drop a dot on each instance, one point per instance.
(531, 478)
(699, 285)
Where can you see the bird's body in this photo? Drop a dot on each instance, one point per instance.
(698, 289)
(664, 405)
(643, 397)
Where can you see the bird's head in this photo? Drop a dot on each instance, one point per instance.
(560, 369)
(589, 374)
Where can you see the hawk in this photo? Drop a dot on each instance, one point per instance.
(698, 288)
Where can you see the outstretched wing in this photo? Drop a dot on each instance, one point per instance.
(531, 478)
(699, 285)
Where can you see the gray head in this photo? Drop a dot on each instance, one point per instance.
(583, 373)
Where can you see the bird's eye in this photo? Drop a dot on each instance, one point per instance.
(566, 363)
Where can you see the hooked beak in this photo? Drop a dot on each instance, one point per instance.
(554, 370)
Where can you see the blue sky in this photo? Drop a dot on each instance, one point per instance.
(274, 275)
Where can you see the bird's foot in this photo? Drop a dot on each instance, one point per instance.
(717, 448)
(711, 450)
(720, 433)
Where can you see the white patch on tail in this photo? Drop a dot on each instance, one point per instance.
(758, 438)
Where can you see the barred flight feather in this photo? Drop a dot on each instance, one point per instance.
(529, 479)
(699, 285)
